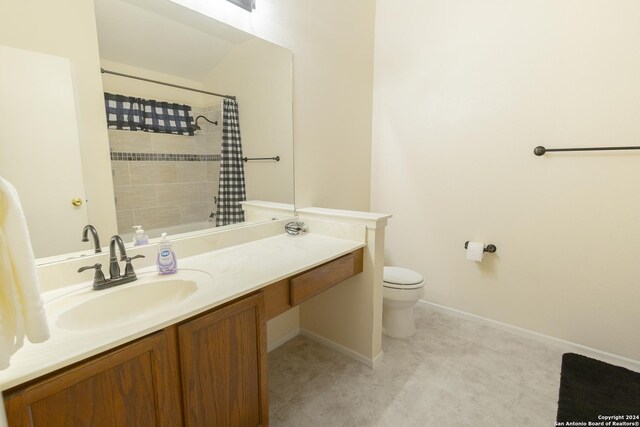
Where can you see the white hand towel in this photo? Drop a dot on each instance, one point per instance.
(21, 308)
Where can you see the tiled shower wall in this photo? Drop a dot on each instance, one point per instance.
(161, 180)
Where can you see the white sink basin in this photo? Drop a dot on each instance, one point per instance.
(127, 304)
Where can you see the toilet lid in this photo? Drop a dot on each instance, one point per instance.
(402, 278)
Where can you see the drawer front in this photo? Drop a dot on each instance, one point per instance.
(311, 283)
(276, 299)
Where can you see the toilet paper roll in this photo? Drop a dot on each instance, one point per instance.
(475, 251)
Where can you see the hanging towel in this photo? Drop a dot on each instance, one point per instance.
(231, 188)
(21, 308)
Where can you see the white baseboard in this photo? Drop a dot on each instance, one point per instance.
(377, 361)
(568, 346)
(283, 339)
(373, 363)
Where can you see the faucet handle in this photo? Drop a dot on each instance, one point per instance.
(97, 266)
(128, 269)
(98, 278)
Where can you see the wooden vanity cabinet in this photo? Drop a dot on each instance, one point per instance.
(216, 362)
(136, 384)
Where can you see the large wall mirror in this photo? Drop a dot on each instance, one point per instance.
(169, 182)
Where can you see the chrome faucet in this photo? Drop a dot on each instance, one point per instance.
(99, 281)
(94, 234)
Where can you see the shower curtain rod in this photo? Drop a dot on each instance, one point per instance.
(102, 70)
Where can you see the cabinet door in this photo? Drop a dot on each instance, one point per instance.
(224, 366)
(131, 386)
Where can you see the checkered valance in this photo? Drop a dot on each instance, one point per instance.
(130, 113)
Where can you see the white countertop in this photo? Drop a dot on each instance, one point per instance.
(222, 275)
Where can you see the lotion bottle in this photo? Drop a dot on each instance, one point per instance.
(167, 262)
(140, 238)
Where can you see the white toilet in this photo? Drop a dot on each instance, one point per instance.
(402, 290)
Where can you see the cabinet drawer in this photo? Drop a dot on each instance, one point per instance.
(276, 299)
(312, 282)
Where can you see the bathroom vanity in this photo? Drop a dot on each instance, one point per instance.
(200, 360)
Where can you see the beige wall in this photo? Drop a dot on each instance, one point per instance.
(463, 93)
(332, 45)
(67, 28)
(349, 315)
(258, 74)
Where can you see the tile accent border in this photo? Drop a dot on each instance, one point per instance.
(163, 157)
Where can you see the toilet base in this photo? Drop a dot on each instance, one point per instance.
(398, 322)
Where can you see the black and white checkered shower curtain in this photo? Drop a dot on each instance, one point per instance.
(231, 189)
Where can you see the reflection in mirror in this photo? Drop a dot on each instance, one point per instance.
(39, 127)
(169, 179)
(162, 182)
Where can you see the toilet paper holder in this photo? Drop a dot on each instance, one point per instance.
(489, 248)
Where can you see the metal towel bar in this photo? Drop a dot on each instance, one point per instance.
(276, 158)
(540, 150)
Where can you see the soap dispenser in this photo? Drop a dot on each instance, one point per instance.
(140, 238)
(167, 262)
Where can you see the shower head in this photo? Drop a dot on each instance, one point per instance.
(197, 127)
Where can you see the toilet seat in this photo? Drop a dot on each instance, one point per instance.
(402, 278)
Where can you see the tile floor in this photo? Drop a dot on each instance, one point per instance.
(453, 372)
